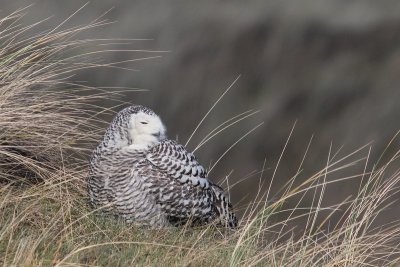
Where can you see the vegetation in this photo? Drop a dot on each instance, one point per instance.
(47, 127)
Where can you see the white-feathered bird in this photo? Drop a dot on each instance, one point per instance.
(141, 176)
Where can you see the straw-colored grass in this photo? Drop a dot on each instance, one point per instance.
(45, 220)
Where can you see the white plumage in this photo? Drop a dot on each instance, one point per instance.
(139, 175)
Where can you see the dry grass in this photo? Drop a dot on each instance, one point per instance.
(45, 219)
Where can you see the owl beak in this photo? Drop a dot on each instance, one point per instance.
(158, 135)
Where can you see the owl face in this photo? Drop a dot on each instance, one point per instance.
(145, 129)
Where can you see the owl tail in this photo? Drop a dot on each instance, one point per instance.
(223, 208)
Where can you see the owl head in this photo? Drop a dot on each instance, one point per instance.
(135, 126)
(145, 127)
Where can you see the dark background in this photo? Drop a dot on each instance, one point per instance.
(331, 67)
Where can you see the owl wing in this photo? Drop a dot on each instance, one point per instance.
(176, 162)
(182, 188)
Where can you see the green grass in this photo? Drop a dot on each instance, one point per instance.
(43, 230)
(47, 221)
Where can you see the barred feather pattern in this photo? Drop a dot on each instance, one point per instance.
(159, 185)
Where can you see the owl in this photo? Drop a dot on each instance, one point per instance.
(138, 174)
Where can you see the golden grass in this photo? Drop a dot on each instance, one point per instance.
(46, 126)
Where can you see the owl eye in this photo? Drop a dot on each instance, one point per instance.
(144, 122)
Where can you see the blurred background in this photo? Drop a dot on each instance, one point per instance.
(329, 68)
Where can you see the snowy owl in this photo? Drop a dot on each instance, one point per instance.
(137, 174)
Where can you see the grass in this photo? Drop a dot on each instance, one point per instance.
(45, 219)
